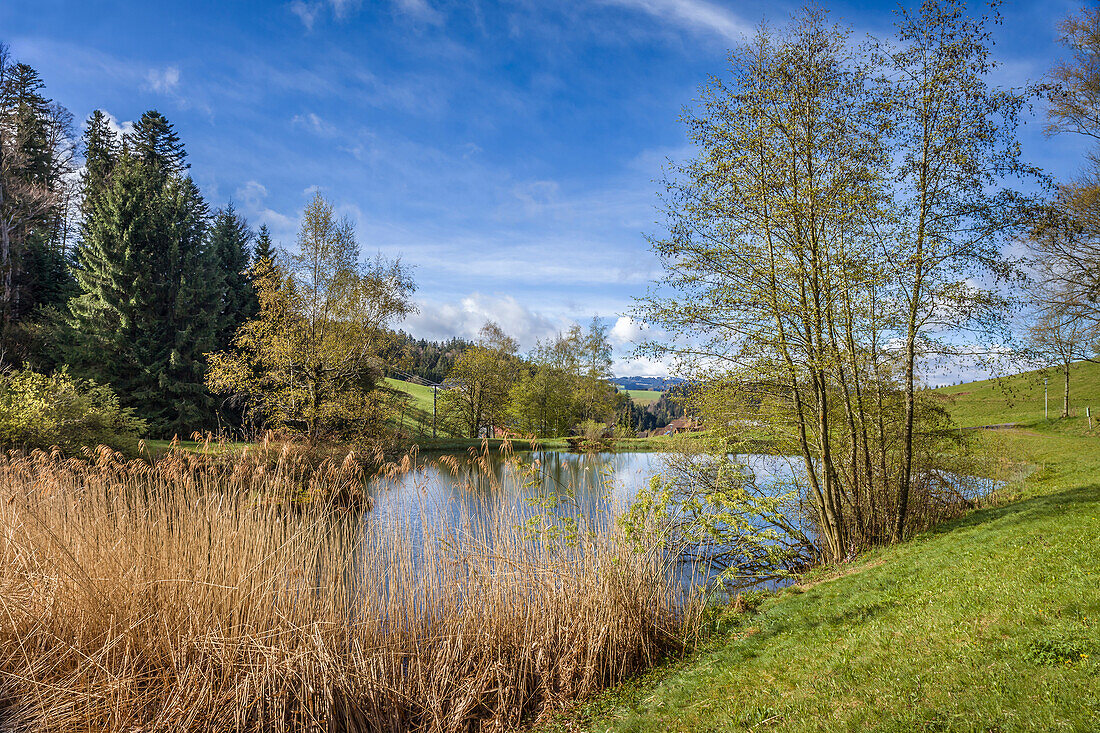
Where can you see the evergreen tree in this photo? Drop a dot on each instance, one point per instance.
(101, 152)
(154, 143)
(35, 158)
(265, 248)
(146, 282)
(230, 240)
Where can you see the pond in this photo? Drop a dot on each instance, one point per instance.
(444, 492)
(443, 489)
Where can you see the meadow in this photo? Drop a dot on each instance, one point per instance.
(644, 396)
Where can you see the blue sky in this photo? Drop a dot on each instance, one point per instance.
(507, 151)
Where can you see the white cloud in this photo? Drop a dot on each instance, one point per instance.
(631, 366)
(164, 81)
(626, 331)
(315, 124)
(251, 201)
(419, 10)
(306, 12)
(309, 10)
(697, 15)
(466, 317)
(119, 128)
(342, 8)
(536, 196)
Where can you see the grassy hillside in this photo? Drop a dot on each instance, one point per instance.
(1019, 398)
(644, 396)
(421, 395)
(990, 622)
(417, 419)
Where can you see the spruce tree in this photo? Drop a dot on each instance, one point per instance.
(101, 152)
(147, 281)
(265, 248)
(154, 142)
(35, 155)
(230, 240)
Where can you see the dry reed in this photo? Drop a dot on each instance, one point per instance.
(202, 593)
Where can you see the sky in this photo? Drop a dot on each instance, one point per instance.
(510, 152)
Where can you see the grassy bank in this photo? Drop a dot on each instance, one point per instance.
(989, 622)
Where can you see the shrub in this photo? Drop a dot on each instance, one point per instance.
(42, 411)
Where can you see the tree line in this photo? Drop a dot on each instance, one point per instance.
(115, 271)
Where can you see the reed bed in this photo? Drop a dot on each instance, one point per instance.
(232, 592)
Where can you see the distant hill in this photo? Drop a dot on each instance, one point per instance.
(648, 384)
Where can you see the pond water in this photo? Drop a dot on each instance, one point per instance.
(442, 493)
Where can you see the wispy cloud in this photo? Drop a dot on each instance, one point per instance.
(419, 10)
(163, 81)
(118, 128)
(309, 10)
(315, 124)
(466, 317)
(166, 81)
(696, 15)
(251, 201)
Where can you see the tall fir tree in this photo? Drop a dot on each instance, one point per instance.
(265, 248)
(101, 153)
(230, 250)
(146, 282)
(154, 142)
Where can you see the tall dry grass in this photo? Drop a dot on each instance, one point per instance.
(191, 593)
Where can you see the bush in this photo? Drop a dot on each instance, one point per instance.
(42, 411)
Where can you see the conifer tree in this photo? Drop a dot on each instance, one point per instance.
(101, 152)
(230, 240)
(35, 158)
(265, 248)
(154, 142)
(146, 281)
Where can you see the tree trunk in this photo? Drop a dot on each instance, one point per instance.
(1065, 392)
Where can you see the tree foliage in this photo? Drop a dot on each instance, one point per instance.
(146, 281)
(43, 411)
(477, 387)
(841, 201)
(37, 189)
(309, 361)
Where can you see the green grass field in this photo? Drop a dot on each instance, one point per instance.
(421, 395)
(987, 623)
(644, 396)
(1020, 398)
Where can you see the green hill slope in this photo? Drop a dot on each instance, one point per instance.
(644, 396)
(1019, 398)
(421, 395)
(417, 419)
